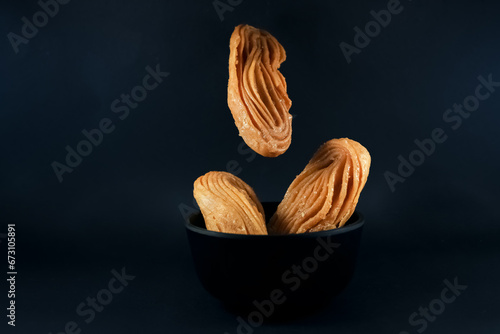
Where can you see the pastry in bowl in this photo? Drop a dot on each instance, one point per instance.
(228, 204)
(325, 194)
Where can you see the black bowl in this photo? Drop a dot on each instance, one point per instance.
(295, 272)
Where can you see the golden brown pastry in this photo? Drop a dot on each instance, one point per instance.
(228, 204)
(256, 92)
(325, 194)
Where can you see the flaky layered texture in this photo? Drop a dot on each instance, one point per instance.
(228, 204)
(256, 91)
(325, 194)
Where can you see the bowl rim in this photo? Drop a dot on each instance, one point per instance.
(356, 224)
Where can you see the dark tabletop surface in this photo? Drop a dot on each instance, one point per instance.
(115, 222)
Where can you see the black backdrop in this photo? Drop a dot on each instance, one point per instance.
(120, 206)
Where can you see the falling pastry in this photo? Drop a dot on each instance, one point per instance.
(256, 91)
(325, 194)
(228, 204)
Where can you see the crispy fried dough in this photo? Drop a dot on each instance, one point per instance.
(326, 193)
(228, 204)
(256, 91)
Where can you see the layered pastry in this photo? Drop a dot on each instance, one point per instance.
(257, 92)
(325, 194)
(228, 204)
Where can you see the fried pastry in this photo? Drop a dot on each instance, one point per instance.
(256, 92)
(325, 194)
(228, 204)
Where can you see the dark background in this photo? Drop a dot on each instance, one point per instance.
(120, 206)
